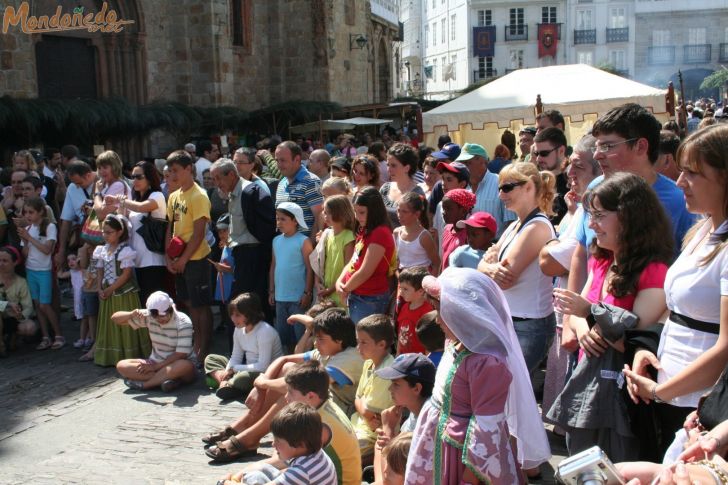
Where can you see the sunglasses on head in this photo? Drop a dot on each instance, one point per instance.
(155, 313)
(505, 188)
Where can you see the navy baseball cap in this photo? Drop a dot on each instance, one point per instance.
(409, 365)
(450, 151)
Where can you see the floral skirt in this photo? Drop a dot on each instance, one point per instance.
(118, 342)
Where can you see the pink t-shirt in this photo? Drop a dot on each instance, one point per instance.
(653, 276)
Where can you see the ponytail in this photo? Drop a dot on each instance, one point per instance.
(546, 192)
(416, 203)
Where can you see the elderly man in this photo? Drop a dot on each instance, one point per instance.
(318, 164)
(252, 226)
(299, 186)
(484, 185)
(244, 159)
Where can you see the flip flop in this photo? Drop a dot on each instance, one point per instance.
(222, 455)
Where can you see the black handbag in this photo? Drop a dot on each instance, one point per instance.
(153, 231)
(713, 408)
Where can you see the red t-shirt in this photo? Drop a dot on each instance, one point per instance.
(378, 282)
(653, 276)
(450, 241)
(407, 341)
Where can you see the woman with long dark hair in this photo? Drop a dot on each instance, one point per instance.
(364, 282)
(147, 201)
(627, 268)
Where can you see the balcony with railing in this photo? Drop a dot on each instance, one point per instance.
(516, 32)
(661, 55)
(484, 74)
(723, 52)
(696, 53)
(587, 36)
(618, 35)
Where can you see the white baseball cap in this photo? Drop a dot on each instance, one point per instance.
(296, 211)
(160, 302)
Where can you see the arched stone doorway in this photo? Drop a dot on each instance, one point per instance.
(383, 77)
(81, 64)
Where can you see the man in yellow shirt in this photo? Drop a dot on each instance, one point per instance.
(188, 212)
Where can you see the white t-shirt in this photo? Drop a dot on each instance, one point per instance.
(257, 349)
(145, 257)
(37, 261)
(531, 295)
(693, 291)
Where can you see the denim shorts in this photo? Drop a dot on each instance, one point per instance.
(361, 306)
(39, 284)
(535, 337)
(90, 303)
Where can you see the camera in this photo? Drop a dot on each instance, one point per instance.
(590, 467)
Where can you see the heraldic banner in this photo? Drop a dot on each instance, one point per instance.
(484, 41)
(548, 35)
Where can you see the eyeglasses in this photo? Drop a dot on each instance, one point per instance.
(606, 147)
(139, 176)
(155, 313)
(506, 188)
(545, 153)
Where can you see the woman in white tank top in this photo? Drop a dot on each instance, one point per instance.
(513, 261)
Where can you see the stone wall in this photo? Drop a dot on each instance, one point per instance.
(17, 61)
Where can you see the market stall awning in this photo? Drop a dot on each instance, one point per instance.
(337, 125)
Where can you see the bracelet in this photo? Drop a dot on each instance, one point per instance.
(655, 397)
(718, 473)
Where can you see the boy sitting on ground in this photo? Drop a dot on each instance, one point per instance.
(335, 340)
(308, 382)
(297, 440)
(374, 337)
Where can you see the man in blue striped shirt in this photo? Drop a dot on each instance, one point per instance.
(299, 186)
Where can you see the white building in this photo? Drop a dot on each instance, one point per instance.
(446, 42)
(601, 33)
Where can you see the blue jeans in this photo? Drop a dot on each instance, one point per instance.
(290, 334)
(361, 306)
(535, 337)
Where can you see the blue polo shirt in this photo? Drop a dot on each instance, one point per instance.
(304, 191)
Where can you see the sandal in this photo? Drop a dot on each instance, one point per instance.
(222, 455)
(44, 344)
(58, 343)
(213, 438)
(87, 357)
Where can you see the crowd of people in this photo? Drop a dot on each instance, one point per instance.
(386, 305)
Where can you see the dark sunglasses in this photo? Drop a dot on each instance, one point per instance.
(156, 313)
(505, 188)
(545, 153)
(138, 176)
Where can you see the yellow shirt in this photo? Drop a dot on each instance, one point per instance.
(184, 208)
(343, 448)
(374, 392)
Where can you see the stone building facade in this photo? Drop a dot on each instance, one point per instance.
(244, 53)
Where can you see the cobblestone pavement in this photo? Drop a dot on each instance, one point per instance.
(63, 421)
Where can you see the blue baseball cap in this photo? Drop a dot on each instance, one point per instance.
(450, 151)
(409, 365)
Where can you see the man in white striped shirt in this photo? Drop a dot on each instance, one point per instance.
(172, 362)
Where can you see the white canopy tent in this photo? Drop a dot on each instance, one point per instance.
(580, 92)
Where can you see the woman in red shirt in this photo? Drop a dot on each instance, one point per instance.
(365, 280)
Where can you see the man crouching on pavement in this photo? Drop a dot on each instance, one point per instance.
(172, 362)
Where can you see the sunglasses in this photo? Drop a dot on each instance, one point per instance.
(138, 176)
(156, 313)
(545, 153)
(506, 188)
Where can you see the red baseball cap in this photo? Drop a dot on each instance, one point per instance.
(482, 220)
